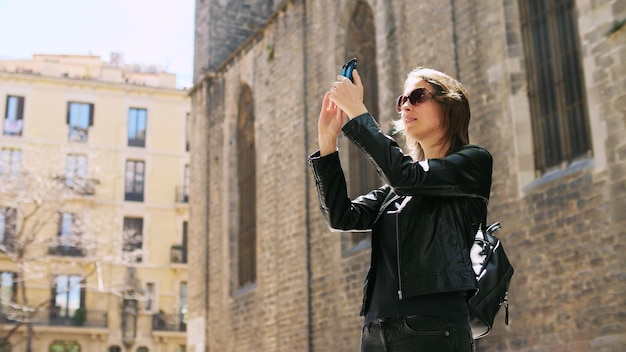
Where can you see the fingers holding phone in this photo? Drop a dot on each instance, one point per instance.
(348, 67)
(348, 93)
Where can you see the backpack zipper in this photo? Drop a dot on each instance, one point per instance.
(506, 307)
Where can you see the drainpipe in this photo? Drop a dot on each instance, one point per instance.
(307, 218)
(206, 85)
(455, 40)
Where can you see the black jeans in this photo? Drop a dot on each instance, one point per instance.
(417, 333)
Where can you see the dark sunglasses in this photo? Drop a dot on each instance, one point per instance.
(416, 97)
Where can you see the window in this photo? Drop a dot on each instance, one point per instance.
(68, 237)
(8, 226)
(8, 290)
(134, 183)
(66, 229)
(137, 127)
(79, 119)
(133, 238)
(10, 162)
(150, 296)
(556, 88)
(115, 349)
(68, 295)
(14, 116)
(64, 346)
(246, 178)
(143, 349)
(76, 171)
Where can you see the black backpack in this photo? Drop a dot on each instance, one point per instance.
(493, 273)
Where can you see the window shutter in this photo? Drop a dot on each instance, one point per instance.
(69, 106)
(14, 293)
(91, 108)
(82, 292)
(60, 223)
(20, 108)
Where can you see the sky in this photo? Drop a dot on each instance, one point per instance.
(147, 32)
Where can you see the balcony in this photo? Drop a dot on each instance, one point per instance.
(169, 322)
(80, 185)
(137, 142)
(182, 194)
(8, 243)
(80, 318)
(178, 255)
(55, 317)
(13, 127)
(78, 134)
(67, 251)
(133, 196)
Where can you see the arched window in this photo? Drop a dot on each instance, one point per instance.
(246, 179)
(143, 349)
(361, 43)
(115, 349)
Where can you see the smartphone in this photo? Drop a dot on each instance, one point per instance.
(346, 69)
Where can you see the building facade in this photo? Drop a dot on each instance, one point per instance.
(93, 206)
(546, 82)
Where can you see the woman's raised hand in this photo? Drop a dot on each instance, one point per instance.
(329, 126)
(348, 96)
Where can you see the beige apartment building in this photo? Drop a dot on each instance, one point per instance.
(93, 206)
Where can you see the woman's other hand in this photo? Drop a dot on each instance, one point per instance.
(329, 126)
(348, 96)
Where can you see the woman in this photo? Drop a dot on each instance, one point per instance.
(423, 220)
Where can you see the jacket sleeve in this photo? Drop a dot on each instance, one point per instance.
(341, 213)
(463, 173)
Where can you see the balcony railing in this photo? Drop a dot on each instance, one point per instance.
(182, 194)
(67, 251)
(80, 185)
(168, 322)
(178, 254)
(84, 318)
(57, 317)
(78, 134)
(133, 196)
(136, 142)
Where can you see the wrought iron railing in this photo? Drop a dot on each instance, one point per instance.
(182, 194)
(80, 185)
(58, 316)
(178, 254)
(169, 322)
(67, 251)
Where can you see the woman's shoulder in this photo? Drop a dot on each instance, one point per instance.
(475, 149)
(475, 154)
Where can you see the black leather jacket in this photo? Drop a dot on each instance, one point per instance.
(435, 229)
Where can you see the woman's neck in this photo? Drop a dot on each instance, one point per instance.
(435, 151)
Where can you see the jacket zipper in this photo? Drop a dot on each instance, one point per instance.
(398, 259)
